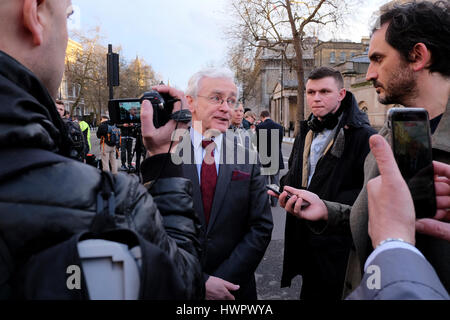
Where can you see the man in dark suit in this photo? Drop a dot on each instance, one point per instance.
(270, 149)
(229, 194)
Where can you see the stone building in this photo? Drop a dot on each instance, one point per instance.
(69, 91)
(332, 53)
(284, 104)
(273, 68)
(353, 68)
(348, 57)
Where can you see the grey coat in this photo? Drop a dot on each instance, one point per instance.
(435, 250)
(404, 275)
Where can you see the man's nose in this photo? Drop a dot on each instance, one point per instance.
(371, 73)
(225, 107)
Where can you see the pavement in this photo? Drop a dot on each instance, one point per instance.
(268, 273)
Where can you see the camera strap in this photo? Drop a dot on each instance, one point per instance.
(183, 115)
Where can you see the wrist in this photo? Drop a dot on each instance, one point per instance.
(387, 240)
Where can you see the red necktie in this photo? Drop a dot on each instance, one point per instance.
(208, 179)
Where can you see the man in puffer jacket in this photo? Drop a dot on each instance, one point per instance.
(46, 200)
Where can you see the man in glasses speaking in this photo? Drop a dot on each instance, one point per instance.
(229, 191)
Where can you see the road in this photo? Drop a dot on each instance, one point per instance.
(268, 274)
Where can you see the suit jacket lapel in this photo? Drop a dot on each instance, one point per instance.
(190, 172)
(224, 179)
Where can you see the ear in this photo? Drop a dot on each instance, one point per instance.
(420, 57)
(342, 94)
(190, 102)
(32, 21)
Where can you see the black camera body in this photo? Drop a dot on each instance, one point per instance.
(128, 111)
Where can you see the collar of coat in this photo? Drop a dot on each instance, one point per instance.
(352, 115)
(441, 135)
(28, 115)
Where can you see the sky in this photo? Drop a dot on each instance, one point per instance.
(177, 37)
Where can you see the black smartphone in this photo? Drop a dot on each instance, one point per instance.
(411, 143)
(277, 190)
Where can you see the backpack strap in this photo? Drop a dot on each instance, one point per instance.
(16, 161)
(106, 205)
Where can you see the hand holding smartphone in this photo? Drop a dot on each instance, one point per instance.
(276, 189)
(411, 143)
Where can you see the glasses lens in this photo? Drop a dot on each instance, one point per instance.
(231, 103)
(215, 100)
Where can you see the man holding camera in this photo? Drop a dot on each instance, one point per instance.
(409, 52)
(38, 201)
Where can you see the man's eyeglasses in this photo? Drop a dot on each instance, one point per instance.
(218, 101)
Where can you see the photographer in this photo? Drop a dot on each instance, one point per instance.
(39, 205)
(128, 132)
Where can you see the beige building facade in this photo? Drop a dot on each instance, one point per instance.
(69, 91)
(354, 68)
(332, 53)
(273, 68)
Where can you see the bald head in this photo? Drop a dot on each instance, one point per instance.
(34, 32)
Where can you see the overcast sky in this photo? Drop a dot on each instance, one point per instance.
(176, 37)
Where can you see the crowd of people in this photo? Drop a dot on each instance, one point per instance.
(203, 205)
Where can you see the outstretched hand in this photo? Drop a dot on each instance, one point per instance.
(302, 204)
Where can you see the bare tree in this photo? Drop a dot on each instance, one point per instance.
(274, 24)
(246, 68)
(136, 77)
(87, 69)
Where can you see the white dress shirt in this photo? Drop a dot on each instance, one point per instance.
(199, 152)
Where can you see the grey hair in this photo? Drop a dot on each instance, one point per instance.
(193, 85)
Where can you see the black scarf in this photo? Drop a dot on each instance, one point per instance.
(330, 121)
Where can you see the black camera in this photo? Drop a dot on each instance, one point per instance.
(123, 111)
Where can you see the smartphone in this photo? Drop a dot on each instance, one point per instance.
(277, 190)
(411, 143)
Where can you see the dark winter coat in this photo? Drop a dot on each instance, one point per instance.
(43, 206)
(339, 176)
(270, 126)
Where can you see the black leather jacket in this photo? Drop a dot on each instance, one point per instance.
(60, 200)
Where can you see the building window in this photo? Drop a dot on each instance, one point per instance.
(352, 55)
(343, 56)
(333, 57)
